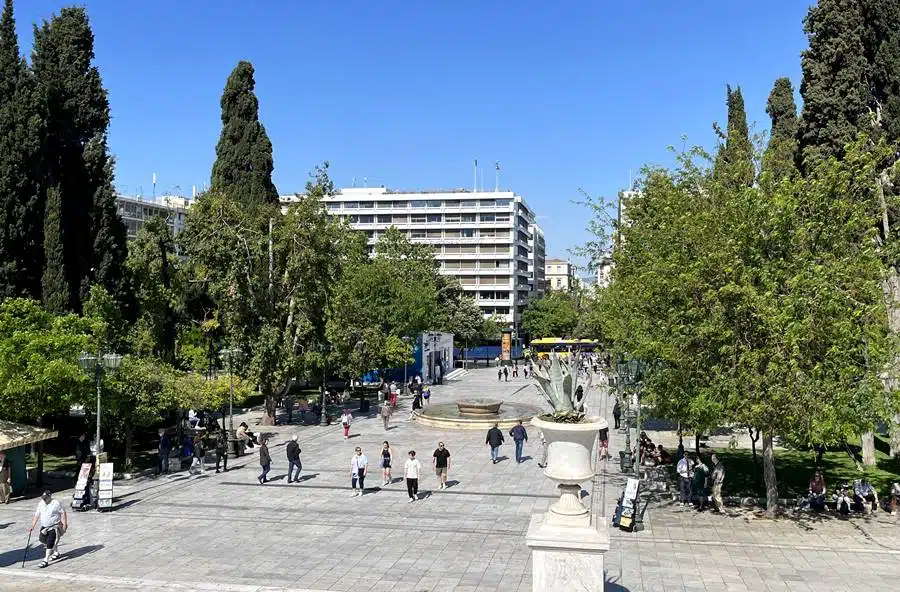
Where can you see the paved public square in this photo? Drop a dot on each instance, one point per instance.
(226, 532)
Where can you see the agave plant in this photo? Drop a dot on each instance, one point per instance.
(557, 381)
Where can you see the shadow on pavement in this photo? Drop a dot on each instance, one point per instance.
(613, 586)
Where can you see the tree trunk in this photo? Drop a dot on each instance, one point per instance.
(128, 443)
(895, 436)
(769, 474)
(268, 418)
(891, 290)
(753, 443)
(868, 448)
(697, 443)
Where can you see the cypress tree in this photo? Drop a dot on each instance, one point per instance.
(91, 233)
(21, 209)
(781, 152)
(54, 284)
(735, 157)
(881, 39)
(244, 163)
(835, 90)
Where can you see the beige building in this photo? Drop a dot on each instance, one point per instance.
(560, 274)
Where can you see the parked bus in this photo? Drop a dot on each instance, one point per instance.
(541, 348)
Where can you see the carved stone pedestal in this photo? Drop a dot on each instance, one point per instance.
(566, 557)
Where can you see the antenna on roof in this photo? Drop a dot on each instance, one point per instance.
(365, 181)
(475, 178)
(497, 176)
(154, 185)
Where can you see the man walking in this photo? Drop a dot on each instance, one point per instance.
(385, 414)
(520, 436)
(717, 478)
(265, 461)
(411, 471)
(494, 439)
(54, 522)
(617, 412)
(293, 456)
(164, 449)
(506, 373)
(441, 464)
(685, 469)
(222, 450)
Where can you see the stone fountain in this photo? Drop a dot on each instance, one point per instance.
(476, 414)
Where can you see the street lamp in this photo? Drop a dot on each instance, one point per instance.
(406, 341)
(97, 364)
(229, 354)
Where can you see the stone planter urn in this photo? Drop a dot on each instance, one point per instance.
(569, 454)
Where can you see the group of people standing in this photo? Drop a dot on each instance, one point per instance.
(412, 469)
(503, 372)
(696, 481)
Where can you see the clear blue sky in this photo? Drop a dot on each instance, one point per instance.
(564, 94)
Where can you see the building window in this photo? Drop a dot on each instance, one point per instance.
(434, 203)
(434, 218)
(417, 219)
(488, 218)
(384, 218)
(366, 205)
(451, 203)
(385, 205)
(452, 218)
(350, 205)
(467, 218)
(558, 283)
(418, 203)
(469, 203)
(467, 233)
(366, 219)
(416, 234)
(332, 206)
(400, 218)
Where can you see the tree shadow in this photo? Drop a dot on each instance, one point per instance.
(122, 505)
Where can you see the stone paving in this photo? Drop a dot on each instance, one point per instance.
(227, 533)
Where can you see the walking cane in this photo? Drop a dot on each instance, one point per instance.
(27, 544)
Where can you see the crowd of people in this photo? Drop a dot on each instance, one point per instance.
(861, 497)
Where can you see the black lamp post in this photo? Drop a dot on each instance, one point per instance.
(97, 364)
(229, 355)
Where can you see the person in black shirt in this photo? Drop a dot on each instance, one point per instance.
(441, 464)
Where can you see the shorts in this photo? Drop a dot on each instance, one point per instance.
(440, 471)
(385, 464)
(604, 444)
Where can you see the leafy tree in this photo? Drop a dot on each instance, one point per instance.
(39, 373)
(780, 155)
(457, 312)
(21, 206)
(735, 158)
(554, 315)
(244, 163)
(55, 288)
(271, 277)
(77, 163)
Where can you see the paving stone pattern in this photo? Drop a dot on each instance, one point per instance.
(227, 533)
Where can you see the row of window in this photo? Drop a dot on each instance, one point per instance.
(422, 218)
(484, 280)
(418, 203)
(475, 264)
(448, 233)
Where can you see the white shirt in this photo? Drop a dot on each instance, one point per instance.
(358, 464)
(413, 468)
(345, 418)
(50, 513)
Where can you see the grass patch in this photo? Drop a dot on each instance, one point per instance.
(794, 468)
(140, 460)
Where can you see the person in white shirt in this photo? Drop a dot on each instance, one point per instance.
(54, 522)
(359, 466)
(346, 418)
(413, 469)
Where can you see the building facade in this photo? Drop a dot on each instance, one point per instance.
(135, 211)
(481, 238)
(561, 275)
(537, 262)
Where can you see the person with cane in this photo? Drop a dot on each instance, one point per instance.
(54, 522)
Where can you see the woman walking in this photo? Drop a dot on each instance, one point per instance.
(359, 466)
(386, 457)
(346, 418)
(412, 470)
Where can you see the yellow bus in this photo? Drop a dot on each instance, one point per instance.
(541, 348)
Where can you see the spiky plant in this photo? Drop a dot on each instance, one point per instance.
(557, 382)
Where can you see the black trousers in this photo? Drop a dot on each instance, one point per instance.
(412, 487)
(617, 419)
(221, 456)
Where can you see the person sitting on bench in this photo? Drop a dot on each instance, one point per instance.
(865, 495)
(817, 492)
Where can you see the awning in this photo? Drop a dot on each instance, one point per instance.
(13, 435)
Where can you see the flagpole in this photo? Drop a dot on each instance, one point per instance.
(497, 177)
(475, 177)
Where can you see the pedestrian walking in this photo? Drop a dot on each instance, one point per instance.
(506, 373)
(163, 452)
(603, 443)
(499, 373)
(717, 478)
(6, 478)
(386, 457)
(395, 393)
(265, 461)
(411, 471)
(222, 450)
(617, 412)
(293, 456)
(82, 453)
(426, 394)
(54, 523)
(685, 470)
(359, 466)
(543, 462)
(494, 440)
(384, 391)
(516, 370)
(525, 370)
(385, 415)
(520, 436)
(199, 455)
(346, 418)
(441, 463)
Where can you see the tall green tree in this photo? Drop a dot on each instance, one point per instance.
(54, 286)
(835, 87)
(780, 156)
(21, 206)
(244, 162)
(77, 160)
(735, 158)
(554, 315)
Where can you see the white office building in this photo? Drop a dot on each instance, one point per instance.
(134, 211)
(536, 272)
(561, 275)
(482, 238)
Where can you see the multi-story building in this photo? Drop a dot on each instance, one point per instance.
(560, 274)
(604, 270)
(134, 211)
(537, 260)
(481, 238)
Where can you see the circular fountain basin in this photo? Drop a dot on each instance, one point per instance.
(479, 407)
(450, 415)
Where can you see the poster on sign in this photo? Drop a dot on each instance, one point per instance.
(105, 497)
(84, 473)
(506, 346)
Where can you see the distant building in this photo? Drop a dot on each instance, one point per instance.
(561, 275)
(604, 270)
(134, 211)
(537, 261)
(484, 239)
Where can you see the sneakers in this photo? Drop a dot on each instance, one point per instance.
(411, 500)
(43, 564)
(54, 557)
(443, 486)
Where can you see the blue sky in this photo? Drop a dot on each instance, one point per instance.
(563, 94)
